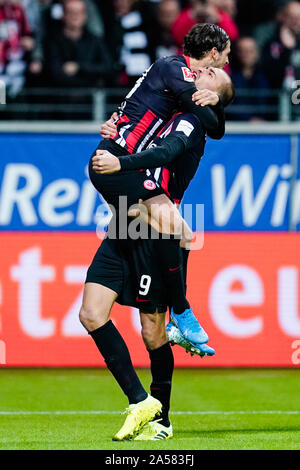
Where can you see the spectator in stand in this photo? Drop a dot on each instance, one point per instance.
(36, 10)
(46, 18)
(76, 57)
(167, 13)
(31, 8)
(247, 74)
(130, 32)
(228, 6)
(203, 11)
(264, 32)
(16, 44)
(52, 12)
(281, 56)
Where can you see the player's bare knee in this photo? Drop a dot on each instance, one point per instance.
(153, 341)
(91, 318)
(153, 334)
(86, 315)
(147, 333)
(148, 341)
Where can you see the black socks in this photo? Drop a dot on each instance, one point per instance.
(185, 257)
(171, 259)
(116, 355)
(162, 366)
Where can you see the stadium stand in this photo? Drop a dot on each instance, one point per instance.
(48, 76)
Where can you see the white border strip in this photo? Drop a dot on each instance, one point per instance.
(183, 413)
(86, 127)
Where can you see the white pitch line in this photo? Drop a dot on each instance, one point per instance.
(103, 412)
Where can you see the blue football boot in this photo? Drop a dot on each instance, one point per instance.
(175, 337)
(189, 326)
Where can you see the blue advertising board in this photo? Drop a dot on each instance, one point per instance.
(44, 182)
(245, 183)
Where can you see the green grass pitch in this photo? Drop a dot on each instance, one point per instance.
(211, 409)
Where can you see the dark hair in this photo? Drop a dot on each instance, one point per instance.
(227, 94)
(202, 38)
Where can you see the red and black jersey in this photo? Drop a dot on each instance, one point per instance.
(175, 177)
(163, 90)
(173, 157)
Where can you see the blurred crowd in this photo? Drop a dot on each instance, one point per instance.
(109, 43)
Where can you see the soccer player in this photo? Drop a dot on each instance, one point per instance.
(104, 271)
(179, 174)
(137, 185)
(97, 303)
(166, 86)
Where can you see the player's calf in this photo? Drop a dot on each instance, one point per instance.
(153, 330)
(96, 305)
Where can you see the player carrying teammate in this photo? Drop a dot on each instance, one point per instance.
(98, 299)
(167, 86)
(184, 133)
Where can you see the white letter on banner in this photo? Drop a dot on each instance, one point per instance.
(51, 199)
(22, 198)
(288, 310)
(295, 203)
(242, 187)
(86, 206)
(30, 274)
(282, 195)
(71, 325)
(222, 298)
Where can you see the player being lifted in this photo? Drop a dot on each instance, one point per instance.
(136, 126)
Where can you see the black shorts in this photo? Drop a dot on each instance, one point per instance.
(131, 269)
(133, 184)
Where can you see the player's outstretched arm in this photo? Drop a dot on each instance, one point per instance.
(105, 163)
(171, 147)
(220, 132)
(213, 119)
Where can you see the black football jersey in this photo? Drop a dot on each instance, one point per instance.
(152, 102)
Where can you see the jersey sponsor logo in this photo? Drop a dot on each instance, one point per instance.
(186, 127)
(188, 75)
(148, 184)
